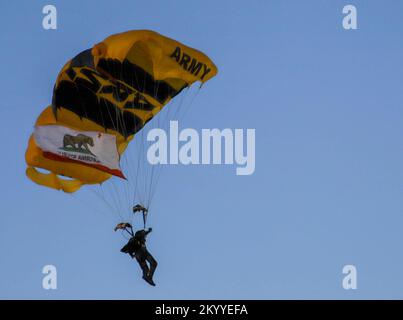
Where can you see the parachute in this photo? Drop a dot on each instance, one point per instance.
(101, 99)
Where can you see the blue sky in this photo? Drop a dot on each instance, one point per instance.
(326, 104)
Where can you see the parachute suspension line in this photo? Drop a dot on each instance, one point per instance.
(148, 171)
(142, 154)
(124, 235)
(129, 182)
(175, 107)
(144, 174)
(162, 122)
(90, 206)
(115, 194)
(103, 209)
(148, 204)
(190, 103)
(170, 112)
(103, 198)
(138, 155)
(120, 122)
(112, 192)
(181, 103)
(128, 162)
(115, 199)
(136, 173)
(144, 219)
(143, 169)
(106, 200)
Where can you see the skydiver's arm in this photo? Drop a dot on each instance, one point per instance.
(148, 231)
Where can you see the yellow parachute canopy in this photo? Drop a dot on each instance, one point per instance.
(115, 88)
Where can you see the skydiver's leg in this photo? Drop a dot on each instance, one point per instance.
(153, 263)
(142, 262)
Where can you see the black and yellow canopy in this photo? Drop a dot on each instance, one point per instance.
(115, 87)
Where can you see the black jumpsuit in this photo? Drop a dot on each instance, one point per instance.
(136, 247)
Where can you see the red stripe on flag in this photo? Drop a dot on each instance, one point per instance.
(56, 157)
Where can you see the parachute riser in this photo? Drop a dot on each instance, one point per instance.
(140, 208)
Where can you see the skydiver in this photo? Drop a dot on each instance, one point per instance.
(136, 248)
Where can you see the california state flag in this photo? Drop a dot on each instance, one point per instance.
(91, 148)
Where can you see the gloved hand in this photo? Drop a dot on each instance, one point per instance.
(150, 229)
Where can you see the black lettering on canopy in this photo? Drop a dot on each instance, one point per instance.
(184, 61)
(138, 78)
(80, 97)
(194, 67)
(176, 54)
(205, 71)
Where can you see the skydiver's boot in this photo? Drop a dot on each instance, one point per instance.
(146, 273)
(149, 280)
